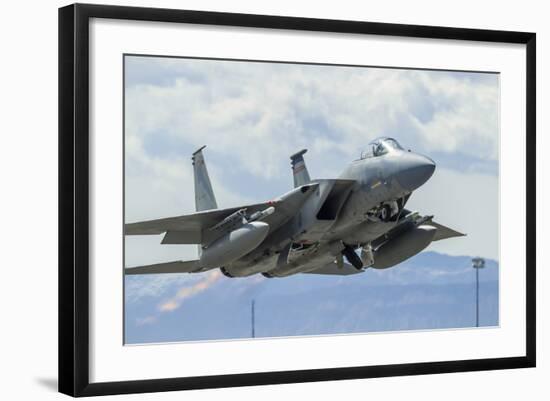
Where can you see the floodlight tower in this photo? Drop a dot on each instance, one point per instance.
(477, 263)
(252, 316)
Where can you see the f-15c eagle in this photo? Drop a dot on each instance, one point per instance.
(325, 226)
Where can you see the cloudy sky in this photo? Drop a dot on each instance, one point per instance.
(253, 115)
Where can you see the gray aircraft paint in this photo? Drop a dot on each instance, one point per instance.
(204, 195)
(314, 224)
(299, 169)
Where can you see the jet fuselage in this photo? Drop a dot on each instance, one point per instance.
(382, 185)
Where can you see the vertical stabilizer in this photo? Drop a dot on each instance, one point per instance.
(299, 169)
(204, 196)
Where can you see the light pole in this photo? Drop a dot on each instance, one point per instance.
(253, 323)
(477, 263)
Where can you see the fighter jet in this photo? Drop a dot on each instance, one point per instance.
(339, 226)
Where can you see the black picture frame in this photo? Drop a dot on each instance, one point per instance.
(74, 194)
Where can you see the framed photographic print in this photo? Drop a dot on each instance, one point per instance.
(251, 199)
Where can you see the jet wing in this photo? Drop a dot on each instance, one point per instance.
(333, 269)
(194, 228)
(189, 223)
(409, 219)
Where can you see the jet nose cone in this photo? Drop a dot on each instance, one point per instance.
(415, 171)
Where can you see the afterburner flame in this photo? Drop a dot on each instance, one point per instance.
(187, 292)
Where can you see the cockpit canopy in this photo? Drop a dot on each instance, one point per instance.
(381, 146)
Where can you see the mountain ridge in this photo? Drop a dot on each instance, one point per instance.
(429, 291)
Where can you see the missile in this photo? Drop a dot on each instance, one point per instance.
(260, 215)
(231, 221)
(239, 218)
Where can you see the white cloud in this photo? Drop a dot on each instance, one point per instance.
(264, 112)
(470, 121)
(467, 203)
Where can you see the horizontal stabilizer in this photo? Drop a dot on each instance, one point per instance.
(189, 266)
(182, 237)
